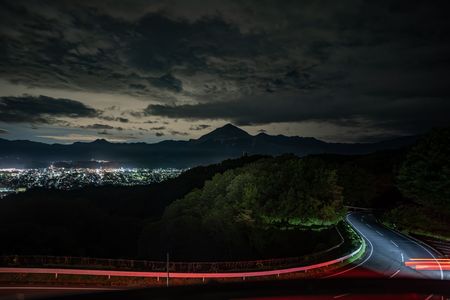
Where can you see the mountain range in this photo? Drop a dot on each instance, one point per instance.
(225, 142)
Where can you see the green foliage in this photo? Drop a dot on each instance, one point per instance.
(280, 188)
(240, 210)
(367, 180)
(425, 175)
(419, 220)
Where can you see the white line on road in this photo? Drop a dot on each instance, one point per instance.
(394, 274)
(364, 261)
(379, 232)
(340, 296)
(394, 243)
(429, 297)
(403, 259)
(408, 238)
(369, 226)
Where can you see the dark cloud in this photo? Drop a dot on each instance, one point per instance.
(175, 132)
(42, 109)
(137, 86)
(111, 118)
(101, 126)
(342, 109)
(3, 131)
(70, 46)
(351, 63)
(159, 134)
(98, 126)
(158, 128)
(122, 120)
(179, 42)
(199, 127)
(168, 82)
(135, 114)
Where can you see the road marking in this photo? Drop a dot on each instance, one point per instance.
(403, 259)
(394, 274)
(369, 226)
(408, 238)
(340, 296)
(379, 232)
(394, 243)
(364, 261)
(429, 297)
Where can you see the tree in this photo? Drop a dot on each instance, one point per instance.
(234, 206)
(425, 174)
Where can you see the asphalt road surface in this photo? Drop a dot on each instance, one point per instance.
(387, 252)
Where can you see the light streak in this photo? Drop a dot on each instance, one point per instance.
(429, 264)
(178, 275)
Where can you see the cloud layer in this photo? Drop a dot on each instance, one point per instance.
(42, 109)
(379, 67)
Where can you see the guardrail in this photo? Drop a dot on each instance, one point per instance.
(156, 266)
(188, 270)
(166, 274)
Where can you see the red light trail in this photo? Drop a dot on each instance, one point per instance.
(429, 264)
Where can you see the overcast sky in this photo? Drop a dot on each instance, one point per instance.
(153, 70)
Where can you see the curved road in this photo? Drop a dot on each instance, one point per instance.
(387, 252)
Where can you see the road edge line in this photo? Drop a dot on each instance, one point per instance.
(420, 243)
(364, 242)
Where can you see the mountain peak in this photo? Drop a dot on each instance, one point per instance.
(226, 132)
(100, 141)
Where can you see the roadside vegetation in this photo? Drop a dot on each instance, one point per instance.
(424, 180)
(274, 207)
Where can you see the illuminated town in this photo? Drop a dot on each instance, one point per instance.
(19, 180)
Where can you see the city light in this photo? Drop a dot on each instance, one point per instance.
(18, 180)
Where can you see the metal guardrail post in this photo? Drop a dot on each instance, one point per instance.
(167, 266)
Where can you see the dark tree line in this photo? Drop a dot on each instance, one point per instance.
(424, 179)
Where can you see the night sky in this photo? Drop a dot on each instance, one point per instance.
(351, 71)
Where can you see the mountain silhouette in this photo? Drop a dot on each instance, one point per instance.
(225, 133)
(225, 142)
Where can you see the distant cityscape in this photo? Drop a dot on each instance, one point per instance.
(19, 180)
